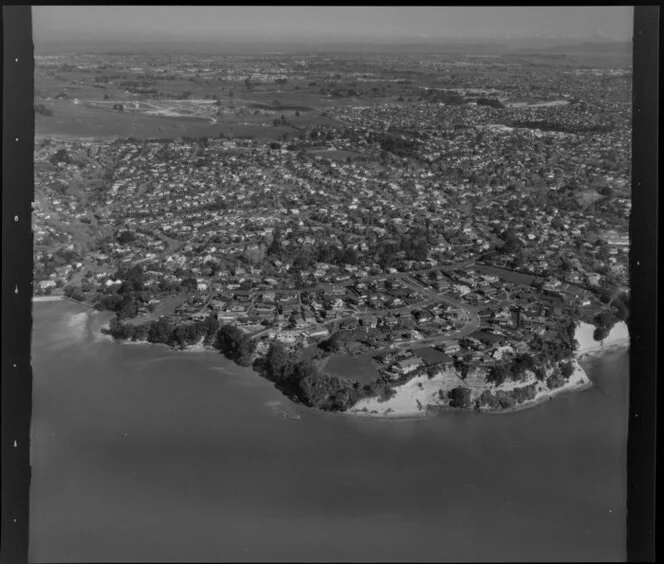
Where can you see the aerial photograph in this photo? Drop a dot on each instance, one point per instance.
(330, 284)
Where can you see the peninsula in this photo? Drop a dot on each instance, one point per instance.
(379, 235)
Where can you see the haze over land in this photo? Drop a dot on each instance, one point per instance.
(255, 28)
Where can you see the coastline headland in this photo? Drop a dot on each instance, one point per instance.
(423, 396)
(426, 393)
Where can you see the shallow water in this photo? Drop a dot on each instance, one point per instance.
(143, 454)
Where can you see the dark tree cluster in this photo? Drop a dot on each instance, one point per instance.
(399, 146)
(503, 399)
(126, 237)
(304, 380)
(621, 306)
(604, 322)
(74, 293)
(555, 380)
(235, 345)
(129, 296)
(163, 332)
(459, 397)
(553, 350)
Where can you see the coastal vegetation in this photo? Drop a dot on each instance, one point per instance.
(165, 333)
(305, 381)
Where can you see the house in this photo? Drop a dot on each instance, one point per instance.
(408, 365)
(451, 347)
(242, 296)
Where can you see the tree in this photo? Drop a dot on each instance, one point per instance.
(235, 345)
(621, 306)
(119, 330)
(111, 302)
(210, 326)
(459, 397)
(321, 390)
(189, 284)
(497, 374)
(184, 334)
(601, 333)
(334, 343)
(555, 380)
(160, 331)
(461, 366)
(278, 363)
(127, 308)
(566, 369)
(140, 332)
(133, 280)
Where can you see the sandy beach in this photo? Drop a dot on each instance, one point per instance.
(421, 396)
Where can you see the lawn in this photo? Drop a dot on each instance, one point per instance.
(360, 368)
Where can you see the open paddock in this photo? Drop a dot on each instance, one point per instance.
(360, 368)
(79, 120)
(89, 122)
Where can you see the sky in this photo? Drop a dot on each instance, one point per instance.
(579, 23)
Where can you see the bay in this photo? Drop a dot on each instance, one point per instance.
(144, 454)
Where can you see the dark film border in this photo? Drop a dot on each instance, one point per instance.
(17, 195)
(643, 283)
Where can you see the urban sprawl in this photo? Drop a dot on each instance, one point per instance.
(420, 215)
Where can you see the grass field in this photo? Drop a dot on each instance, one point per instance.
(360, 368)
(99, 121)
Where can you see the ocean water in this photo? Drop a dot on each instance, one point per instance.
(143, 454)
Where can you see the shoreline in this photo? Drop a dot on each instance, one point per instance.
(577, 382)
(604, 349)
(580, 383)
(38, 299)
